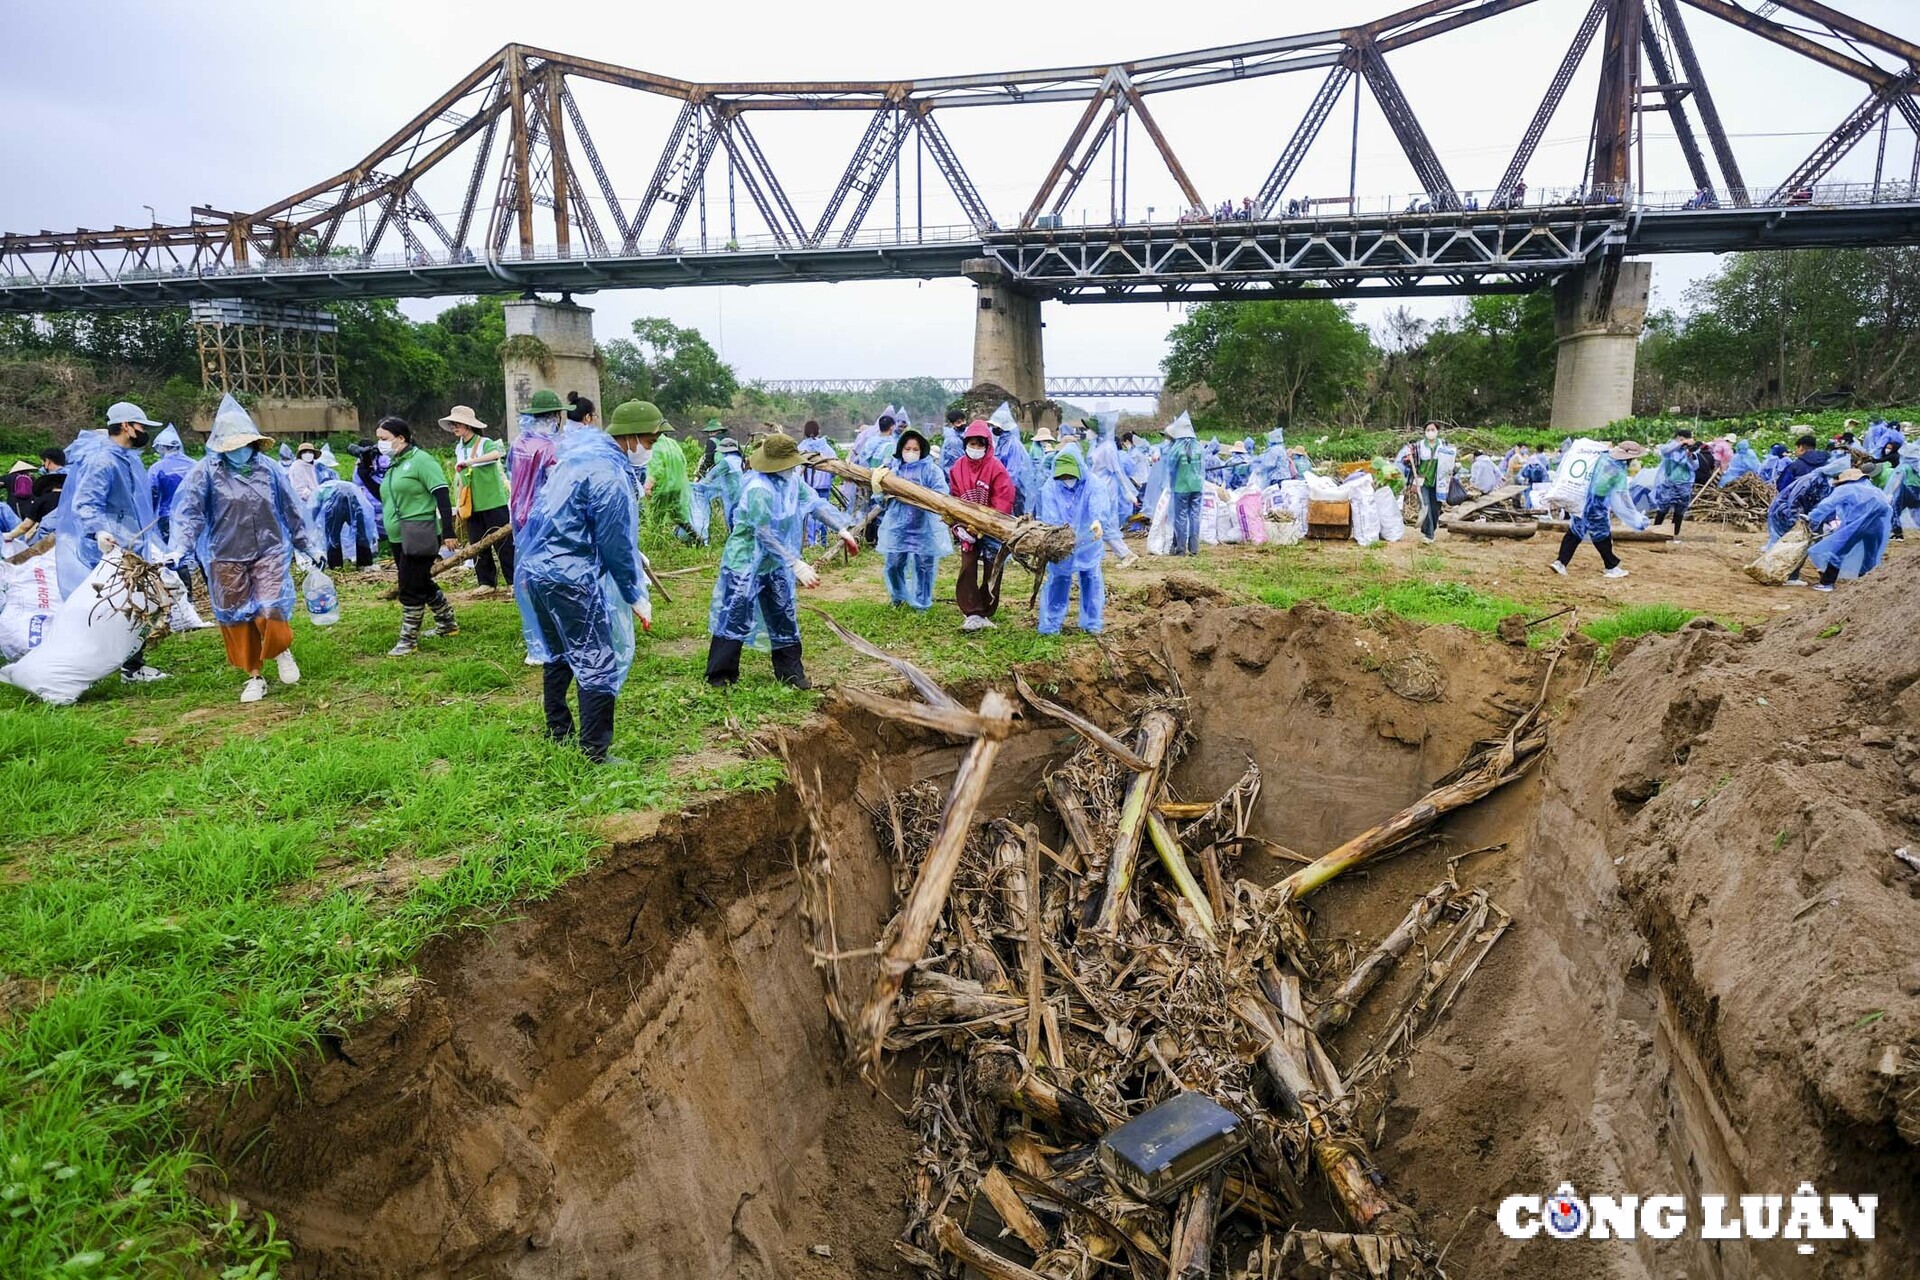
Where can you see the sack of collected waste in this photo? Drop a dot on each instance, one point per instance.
(1784, 558)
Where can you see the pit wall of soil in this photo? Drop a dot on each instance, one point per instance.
(1718, 824)
(638, 1077)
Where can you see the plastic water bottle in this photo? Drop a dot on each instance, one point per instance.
(323, 602)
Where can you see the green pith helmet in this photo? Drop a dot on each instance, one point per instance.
(637, 418)
(775, 453)
(713, 424)
(545, 401)
(1066, 463)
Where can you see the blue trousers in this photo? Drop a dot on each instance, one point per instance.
(1058, 588)
(1185, 509)
(910, 578)
(743, 601)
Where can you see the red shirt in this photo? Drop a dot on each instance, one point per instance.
(984, 483)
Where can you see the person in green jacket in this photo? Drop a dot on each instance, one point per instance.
(477, 471)
(669, 500)
(415, 504)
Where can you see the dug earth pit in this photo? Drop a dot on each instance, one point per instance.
(638, 1076)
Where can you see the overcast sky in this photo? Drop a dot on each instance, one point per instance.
(115, 106)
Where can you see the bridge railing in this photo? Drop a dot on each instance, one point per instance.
(1315, 212)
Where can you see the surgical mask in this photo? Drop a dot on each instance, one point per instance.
(1432, 436)
(140, 438)
(909, 455)
(385, 447)
(640, 455)
(976, 451)
(238, 458)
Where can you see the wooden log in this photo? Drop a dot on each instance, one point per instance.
(1036, 948)
(1084, 727)
(998, 1077)
(1157, 730)
(1338, 1009)
(1356, 1184)
(925, 685)
(1013, 1210)
(39, 548)
(957, 721)
(1191, 1251)
(1073, 816)
(467, 551)
(936, 1006)
(1620, 534)
(956, 1243)
(912, 929)
(1027, 537)
(1183, 879)
(1491, 498)
(1492, 528)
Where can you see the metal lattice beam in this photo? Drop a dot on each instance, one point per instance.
(1406, 127)
(1551, 100)
(1834, 147)
(1303, 137)
(1675, 96)
(1703, 101)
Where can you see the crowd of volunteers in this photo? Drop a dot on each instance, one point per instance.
(560, 515)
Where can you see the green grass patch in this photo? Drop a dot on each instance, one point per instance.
(1290, 575)
(1637, 620)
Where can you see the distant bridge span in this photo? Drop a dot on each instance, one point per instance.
(1143, 386)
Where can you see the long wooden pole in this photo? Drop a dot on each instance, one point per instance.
(1048, 541)
(913, 928)
(1157, 730)
(1366, 975)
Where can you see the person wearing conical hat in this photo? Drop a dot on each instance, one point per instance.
(761, 565)
(237, 514)
(480, 492)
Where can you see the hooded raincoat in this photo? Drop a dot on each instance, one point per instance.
(913, 540)
(1865, 521)
(1674, 488)
(720, 484)
(1071, 501)
(671, 502)
(579, 575)
(1114, 493)
(340, 511)
(1799, 498)
(164, 476)
(753, 594)
(529, 458)
(239, 518)
(107, 491)
(1595, 519)
(1744, 462)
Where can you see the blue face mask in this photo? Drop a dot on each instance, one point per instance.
(240, 458)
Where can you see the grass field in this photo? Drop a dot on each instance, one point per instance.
(195, 890)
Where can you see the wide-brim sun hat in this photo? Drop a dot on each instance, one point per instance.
(233, 427)
(1044, 436)
(713, 424)
(637, 418)
(776, 453)
(1627, 451)
(462, 416)
(1850, 475)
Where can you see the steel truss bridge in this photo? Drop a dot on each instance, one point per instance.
(498, 184)
(1124, 386)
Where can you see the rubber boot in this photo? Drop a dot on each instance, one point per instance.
(410, 618)
(555, 679)
(443, 621)
(787, 668)
(596, 725)
(723, 661)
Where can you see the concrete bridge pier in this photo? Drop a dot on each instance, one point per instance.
(1598, 313)
(1006, 333)
(560, 356)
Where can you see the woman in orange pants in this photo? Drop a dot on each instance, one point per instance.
(237, 513)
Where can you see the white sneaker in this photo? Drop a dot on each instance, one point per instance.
(1615, 572)
(1559, 568)
(287, 669)
(534, 662)
(145, 675)
(1794, 582)
(1821, 586)
(986, 624)
(256, 689)
(971, 623)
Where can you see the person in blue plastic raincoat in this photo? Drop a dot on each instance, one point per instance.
(237, 512)
(1673, 491)
(951, 445)
(1114, 497)
(163, 477)
(912, 540)
(1067, 499)
(304, 473)
(327, 467)
(762, 564)
(1007, 447)
(340, 511)
(1903, 487)
(875, 451)
(1595, 523)
(1745, 462)
(721, 484)
(107, 494)
(1800, 497)
(1852, 527)
(813, 445)
(580, 583)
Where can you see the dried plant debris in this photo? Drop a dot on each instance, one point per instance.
(1058, 972)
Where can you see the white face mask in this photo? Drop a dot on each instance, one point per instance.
(976, 451)
(909, 455)
(641, 453)
(385, 447)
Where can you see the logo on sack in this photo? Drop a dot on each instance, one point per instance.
(1805, 1216)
